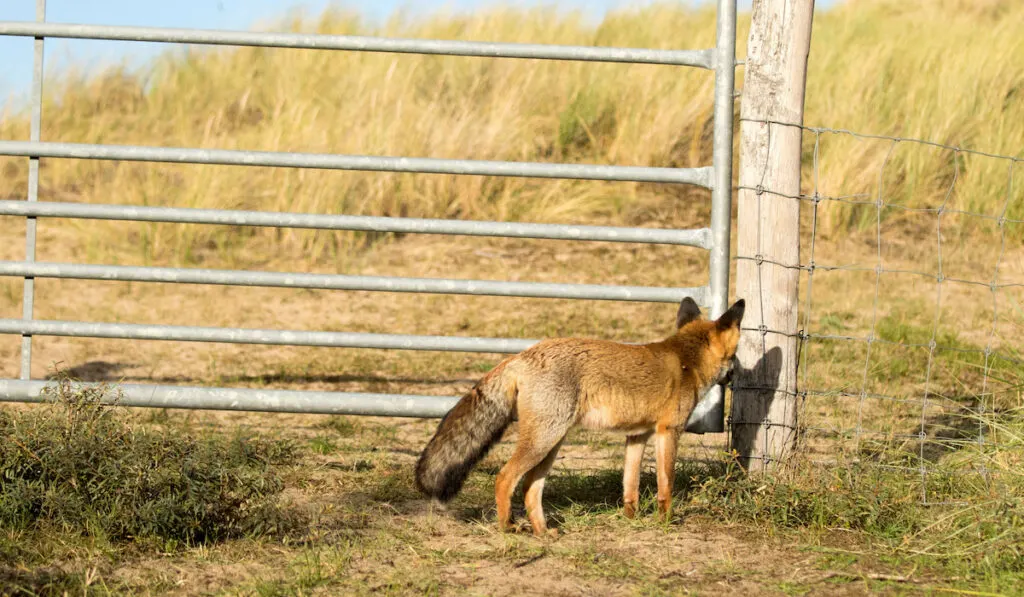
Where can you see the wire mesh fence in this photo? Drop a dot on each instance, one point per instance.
(911, 307)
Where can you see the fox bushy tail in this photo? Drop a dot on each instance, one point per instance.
(465, 435)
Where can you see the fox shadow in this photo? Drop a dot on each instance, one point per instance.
(90, 371)
(569, 492)
(751, 408)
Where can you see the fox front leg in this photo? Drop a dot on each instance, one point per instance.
(635, 445)
(665, 442)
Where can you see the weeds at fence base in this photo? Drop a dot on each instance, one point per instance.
(970, 530)
(78, 471)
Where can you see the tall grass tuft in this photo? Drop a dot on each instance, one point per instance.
(944, 70)
(80, 467)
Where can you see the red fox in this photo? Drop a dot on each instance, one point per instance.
(641, 390)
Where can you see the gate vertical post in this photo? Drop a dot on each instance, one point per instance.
(721, 194)
(709, 415)
(28, 295)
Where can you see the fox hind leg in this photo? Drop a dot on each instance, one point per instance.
(533, 488)
(530, 452)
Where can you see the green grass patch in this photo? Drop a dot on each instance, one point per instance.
(323, 445)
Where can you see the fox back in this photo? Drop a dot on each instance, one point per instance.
(625, 387)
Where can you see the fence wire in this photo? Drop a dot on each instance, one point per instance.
(911, 308)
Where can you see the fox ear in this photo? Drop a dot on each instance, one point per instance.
(688, 311)
(733, 316)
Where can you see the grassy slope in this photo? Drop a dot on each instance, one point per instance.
(913, 69)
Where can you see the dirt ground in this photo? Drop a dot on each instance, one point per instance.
(372, 534)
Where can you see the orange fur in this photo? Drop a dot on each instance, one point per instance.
(641, 390)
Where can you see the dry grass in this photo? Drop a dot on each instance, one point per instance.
(911, 69)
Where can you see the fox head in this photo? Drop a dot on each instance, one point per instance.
(721, 336)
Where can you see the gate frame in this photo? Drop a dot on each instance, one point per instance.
(718, 178)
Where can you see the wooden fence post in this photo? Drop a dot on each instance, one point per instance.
(768, 228)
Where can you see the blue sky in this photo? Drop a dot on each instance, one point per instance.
(16, 69)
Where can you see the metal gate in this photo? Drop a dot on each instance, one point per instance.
(715, 239)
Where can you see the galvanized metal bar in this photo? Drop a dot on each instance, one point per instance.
(692, 238)
(172, 275)
(721, 194)
(228, 157)
(695, 58)
(709, 414)
(132, 331)
(246, 399)
(35, 134)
